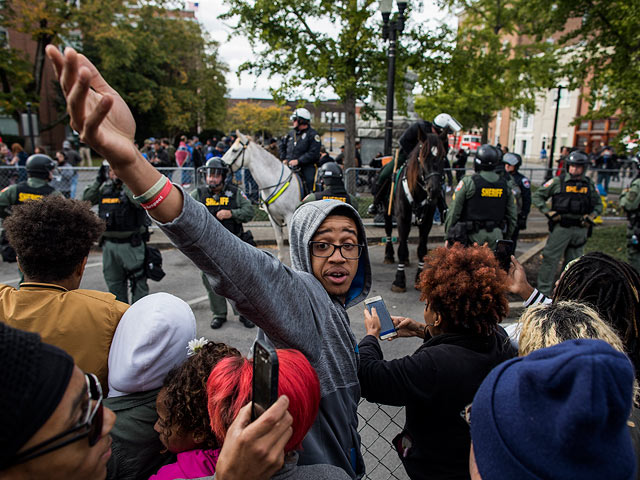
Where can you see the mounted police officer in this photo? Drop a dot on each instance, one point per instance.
(300, 148)
(40, 169)
(442, 125)
(332, 186)
(574, 204)
(123, 242)
(521, 191)
(630, 201)
(229, 206)
(483, 208)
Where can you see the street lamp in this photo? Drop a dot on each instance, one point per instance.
(553, 138)
(390, 31)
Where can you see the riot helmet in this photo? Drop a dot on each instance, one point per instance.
(330, 174)
(445, 122)
(302, 115)
(513, 159)
(578, 157)
(40, 165)
(487, 157)
(214, 173)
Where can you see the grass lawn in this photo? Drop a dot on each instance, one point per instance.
(611, 240)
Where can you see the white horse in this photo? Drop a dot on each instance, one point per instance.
(279, 187)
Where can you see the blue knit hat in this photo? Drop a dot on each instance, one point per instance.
(560, 412)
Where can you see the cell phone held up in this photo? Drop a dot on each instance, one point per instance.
(503, 252)
(387, 328)
(265, 378)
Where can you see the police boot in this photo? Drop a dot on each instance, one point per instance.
(399, 285)
(217, 322)
(246, 322)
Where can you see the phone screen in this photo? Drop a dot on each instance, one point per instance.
(387, 329)
(265, 378)
(503, 252)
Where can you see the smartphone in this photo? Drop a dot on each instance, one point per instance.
(503, 252)
(265, 378)
(387, 329)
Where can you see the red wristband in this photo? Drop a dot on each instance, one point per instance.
(159, 198)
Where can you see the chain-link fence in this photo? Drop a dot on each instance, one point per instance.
(378, 425)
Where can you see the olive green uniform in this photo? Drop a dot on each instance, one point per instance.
(241, 212)
(569, 227)
(123, 243)
(478, 231)
(10, 196)
(630, 201)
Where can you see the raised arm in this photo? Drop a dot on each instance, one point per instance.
(105, 122)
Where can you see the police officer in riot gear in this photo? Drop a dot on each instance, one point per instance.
(443, 124)
(630, 201)
(40, 169)
(123, 242)
(521, 191)
(574, 204)
(229, 206)
(300, 148)
(332, 186)
(483, 209)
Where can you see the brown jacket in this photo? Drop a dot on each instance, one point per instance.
(81, 322)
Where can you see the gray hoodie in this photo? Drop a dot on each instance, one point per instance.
(294, 310)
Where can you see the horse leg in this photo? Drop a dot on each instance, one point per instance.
(425, 229)
(403, 217)
(389, 256)
(279, 240)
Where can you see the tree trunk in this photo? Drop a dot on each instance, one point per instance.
(350, 141)
(38, 62)
(485, 130)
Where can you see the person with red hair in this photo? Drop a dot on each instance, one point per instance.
(229, 388)
(464, 290)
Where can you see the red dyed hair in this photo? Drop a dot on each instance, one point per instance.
(229, 389)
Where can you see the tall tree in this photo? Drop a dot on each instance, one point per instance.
(255, 119)
(347, 57)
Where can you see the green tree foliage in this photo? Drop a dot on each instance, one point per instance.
(475, 71)
(254, 119)
(16, 81)
(348, 57)
(600, 44)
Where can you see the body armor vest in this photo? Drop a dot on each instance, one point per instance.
(26, 192)
(574, 197)
(489, 202)
(225, 200)
(341, 195)
(120, 214)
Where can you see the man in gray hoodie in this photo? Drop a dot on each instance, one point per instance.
(303, 307)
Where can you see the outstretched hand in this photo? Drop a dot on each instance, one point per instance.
(97, 111)
(518, 283)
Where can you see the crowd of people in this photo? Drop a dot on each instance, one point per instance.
(95, 388)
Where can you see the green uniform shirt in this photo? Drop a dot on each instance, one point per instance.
(552, 187)
(9, 195)
(93, 193)
(466, 189)
(243, 214)
(630, 198)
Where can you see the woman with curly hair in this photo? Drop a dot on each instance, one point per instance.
(464, 290)
(183, 420)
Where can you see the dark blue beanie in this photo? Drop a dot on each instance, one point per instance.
(560, 412)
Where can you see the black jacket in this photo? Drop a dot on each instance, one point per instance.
(435, 384)
(303, 146)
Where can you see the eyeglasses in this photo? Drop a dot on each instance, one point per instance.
(466, 414)
(90, 426)
(349, 251)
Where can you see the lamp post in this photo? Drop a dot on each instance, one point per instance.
(390, 31)
(553, 138)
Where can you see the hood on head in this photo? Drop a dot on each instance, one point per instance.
(304, 223)
(150, 340)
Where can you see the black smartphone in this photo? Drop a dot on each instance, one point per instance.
(387, 328)
(503, 252)
(265, 378)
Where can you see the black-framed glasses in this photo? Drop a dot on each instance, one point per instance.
(90, 426)
(466, 414)
(349, 251)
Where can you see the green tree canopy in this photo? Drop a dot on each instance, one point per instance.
(257, 120)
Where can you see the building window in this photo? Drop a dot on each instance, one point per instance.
(584, 125)
(523, 150)
(4, 38)
(614, 124)
(598, 125)
(525, 120)
(343, 118)
(564, 98)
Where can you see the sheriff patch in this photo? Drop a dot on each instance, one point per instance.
(548, 183)
(459, 186)
(526, 183)
(329, 197)
(26, 197)
(108, 200)
(212, 202)
(491, 192)
(575, 189)
(317, 138)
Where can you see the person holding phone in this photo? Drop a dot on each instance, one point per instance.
(330, 270)
(464, 290)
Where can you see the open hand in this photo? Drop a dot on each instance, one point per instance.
(518, 283)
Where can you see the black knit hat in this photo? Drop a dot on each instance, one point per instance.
(33, 379)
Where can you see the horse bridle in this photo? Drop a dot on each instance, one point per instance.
(422, 182)
(241, 154)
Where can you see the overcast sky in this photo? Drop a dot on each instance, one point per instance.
(237, 51)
